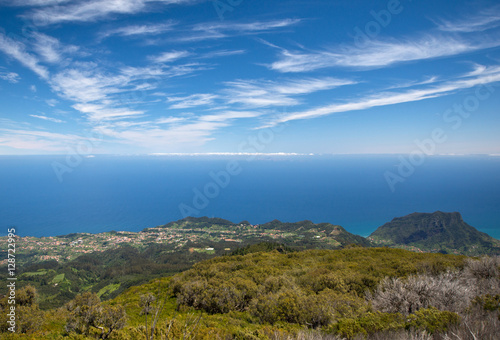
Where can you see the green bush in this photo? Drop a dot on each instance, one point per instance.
(432, 320)
(367, 324)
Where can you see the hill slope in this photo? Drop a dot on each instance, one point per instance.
(438, 231)
(108, 263)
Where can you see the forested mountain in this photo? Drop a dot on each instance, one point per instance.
(435, 232)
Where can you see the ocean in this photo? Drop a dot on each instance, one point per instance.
(57, 195)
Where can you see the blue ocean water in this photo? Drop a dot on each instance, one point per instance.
(51, 195)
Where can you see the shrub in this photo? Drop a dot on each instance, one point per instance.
(433, 320)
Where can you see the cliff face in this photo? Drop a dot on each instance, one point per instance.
(438, 231)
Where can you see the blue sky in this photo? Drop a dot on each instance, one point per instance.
(236, 76)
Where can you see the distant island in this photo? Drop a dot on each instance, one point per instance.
(435, 232)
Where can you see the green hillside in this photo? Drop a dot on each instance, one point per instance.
(109, 263)
(435, 232)
(312, 294)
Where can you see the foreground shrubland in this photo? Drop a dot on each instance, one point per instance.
(357, 293)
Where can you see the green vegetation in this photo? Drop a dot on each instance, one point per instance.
(354, 293)
(197, 233)
(203, 278)
(436, 232)
(62, 267)
(108, 289)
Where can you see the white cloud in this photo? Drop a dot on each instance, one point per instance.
(309, 85)
(192, 100)
(54, 120)
(156, 139)
(39, 140)
(223, 53)
(100, 96)
(11, 77)
(254, 93)
(50, 49)
(199, 36)
(375, 54)
(247, 27)
(139, 30)
(17, 50)
(210, 31)
(33, 2)
(169, 120)
(229, 115)
(100, 112)
(488, 75)
(167, 57)
(484, 20)
(47, 47)
(179, 132)
(92, 10)
(52, 102)
(85, 85)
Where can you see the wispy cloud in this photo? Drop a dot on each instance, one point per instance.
(167, 57)
(161, 139)
(52, 102)
(253, 93)
(255, 26)
(169, 120)
(17, 50)
(39, 140)
(106, 99)
(101, 112)
(50, 49)
(223, 53)
(180, 132)
(486, 19)
(484, 76)
(139, 30)
(229, 115)
(50, 119)
(101, 96)
(84, 86)
(33, 2)
(84, 11)
(11, 77)
(210, 31)
(193, 100)
(376, 54)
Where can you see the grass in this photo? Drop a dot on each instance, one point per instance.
(108, 289)
(58, 278)
(37, 273)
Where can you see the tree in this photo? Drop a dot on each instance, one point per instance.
(147, 307)
(150, 304)
(88, 313)
(29, 317)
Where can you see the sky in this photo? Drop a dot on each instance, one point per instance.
(241, 76)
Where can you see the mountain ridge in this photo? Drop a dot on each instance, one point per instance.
(436, 232)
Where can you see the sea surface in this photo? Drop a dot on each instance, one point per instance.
(57, 195)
